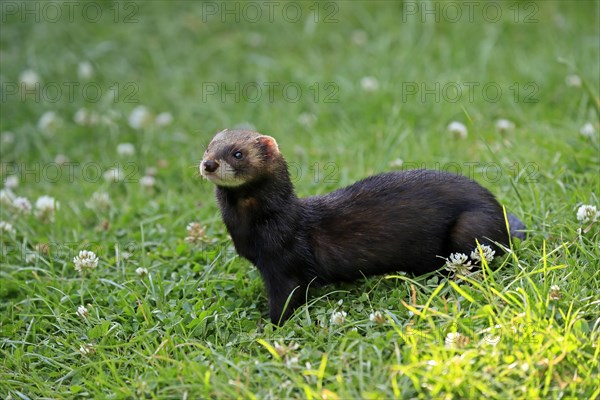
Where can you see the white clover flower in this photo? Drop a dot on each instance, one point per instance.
(458, 129)
(147, 181)
(458, 259)
(289, 362)
(22, 205)
(587, 213)
(6, 197)
(110, 117)
(573, 80)
(45, 206)
(279, 348)
(86, 349)
(61, 159)
(29, 79)
(163, 119)
(587, 130)
(195, 233)
(456, 340)
(99, 201)
(555, 293)
(83, 312)
(369, 84)
(42, 248)
(48, 122)
(284, 350)
(113, 175)
(141, 271)
(7, 137)
(6, 227)
(307, 119)
(139, 117)
(11, 182)
(80, 116)
(504, 125)
(458, 263)
(377, 317)
(151, 171)
(85, 70)
(125, 149)
(84, 117)
(290, 358)
(396, 163)
(338, 317)
(31, 258)
(488, 254)
(489, 335)
(358, 37)
(85, 261)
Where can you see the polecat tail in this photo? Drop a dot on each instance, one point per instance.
(517, 228)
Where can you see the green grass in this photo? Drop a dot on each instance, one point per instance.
(196, 326)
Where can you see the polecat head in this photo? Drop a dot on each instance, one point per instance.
(236, 157)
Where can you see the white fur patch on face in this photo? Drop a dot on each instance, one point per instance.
(223, 176)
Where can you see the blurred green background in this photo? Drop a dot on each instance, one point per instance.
(348, 88)
(172, 57)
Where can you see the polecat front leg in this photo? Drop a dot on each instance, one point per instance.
(286, 294)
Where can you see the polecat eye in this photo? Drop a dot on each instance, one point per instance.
(238, 155)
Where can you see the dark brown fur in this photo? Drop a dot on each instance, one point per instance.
(398, 221)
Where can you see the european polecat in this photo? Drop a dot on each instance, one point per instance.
(397, 221)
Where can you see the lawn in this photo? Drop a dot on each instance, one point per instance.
(107, 106)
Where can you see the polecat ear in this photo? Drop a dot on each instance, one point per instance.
(269, 144)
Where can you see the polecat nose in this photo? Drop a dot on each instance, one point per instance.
(210, 165)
